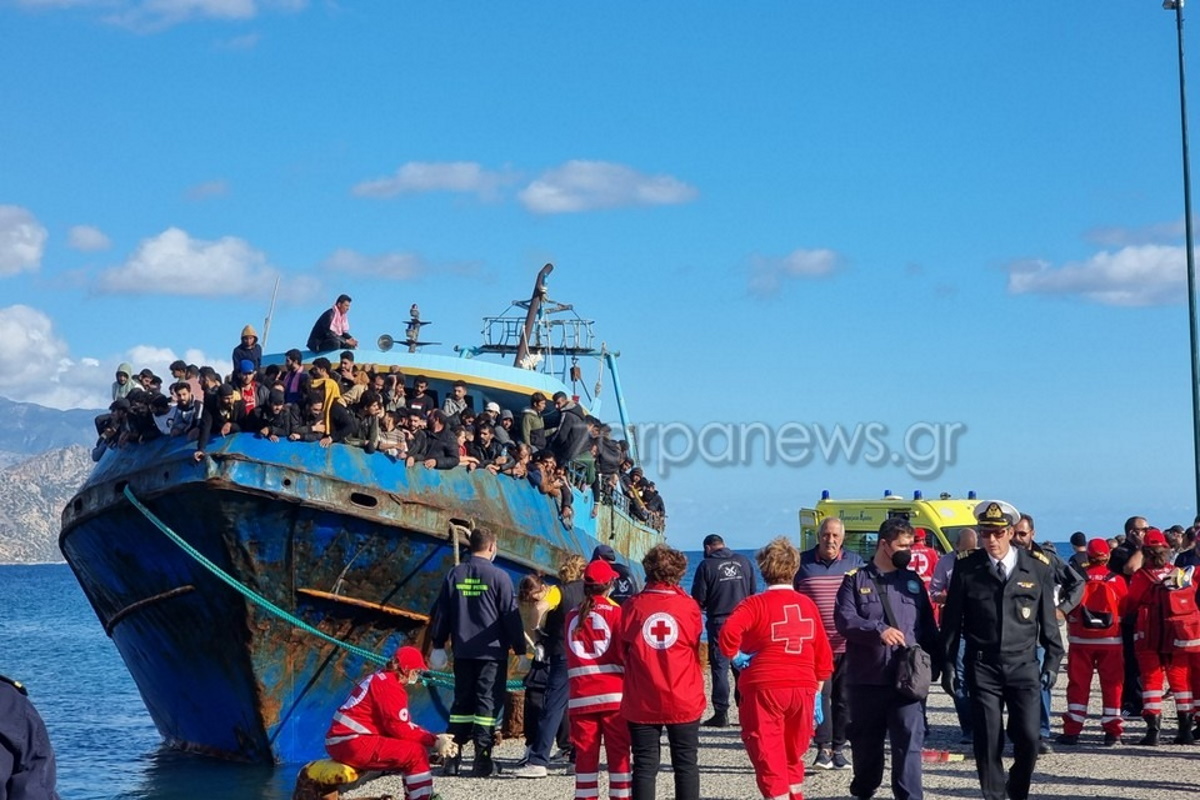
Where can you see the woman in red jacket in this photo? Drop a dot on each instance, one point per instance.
(790, 658)
(596, 679)
(660, 646)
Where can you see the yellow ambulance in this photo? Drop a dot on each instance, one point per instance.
(943, 517)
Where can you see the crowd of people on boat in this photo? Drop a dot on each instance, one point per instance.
(554, 445)
(835, 650)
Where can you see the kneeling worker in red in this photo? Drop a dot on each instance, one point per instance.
(372, 729)
(789, 658)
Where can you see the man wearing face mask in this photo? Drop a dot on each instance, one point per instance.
(881, 608)
(477, 611)
(1001, 601)
(372, 730)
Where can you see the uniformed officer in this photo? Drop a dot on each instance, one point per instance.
(1001, 600)
(868, 597)
(477, 611)
(27, 767)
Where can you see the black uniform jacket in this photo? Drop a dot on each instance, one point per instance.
(1003, 623)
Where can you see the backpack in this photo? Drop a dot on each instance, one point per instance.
(1173, 617)
(1099, 608)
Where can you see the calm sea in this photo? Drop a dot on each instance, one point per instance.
(106, 745)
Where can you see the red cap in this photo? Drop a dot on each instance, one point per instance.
(920, 534)
(1153, 537)
(1098, 547)
(599, 572)
(409, 658)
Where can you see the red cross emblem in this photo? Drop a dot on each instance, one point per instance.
(792, 630)
(660, 630)
(590, 640)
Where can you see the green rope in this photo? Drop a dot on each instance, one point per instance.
(443, 680)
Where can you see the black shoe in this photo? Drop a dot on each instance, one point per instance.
(1067, 739)
(1185, 735)
(451, 767)
(1111, 739)
(1044, 748)
(484, 767)
(717, 721)
(1153, 726)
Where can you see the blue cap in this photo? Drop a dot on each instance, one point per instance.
(247, 365)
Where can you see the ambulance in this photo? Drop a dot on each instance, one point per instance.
(943, 517)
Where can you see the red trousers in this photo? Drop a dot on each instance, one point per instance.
(587, 731)
(393, 755)
(1152, 667)
(777, 726)
(1084, 659)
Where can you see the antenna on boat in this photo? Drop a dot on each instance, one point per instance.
(270, 313)
(412, 333)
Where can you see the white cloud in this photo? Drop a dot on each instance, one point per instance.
(391, 266)
(87, 238)
(767, 274)
(176, 264)
(415, 177)
(22, 241)
(588, 185)
(1141, 275)
(203, 191)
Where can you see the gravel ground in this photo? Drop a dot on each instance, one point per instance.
(1088, 770)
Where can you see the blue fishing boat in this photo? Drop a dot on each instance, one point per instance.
(247, 592)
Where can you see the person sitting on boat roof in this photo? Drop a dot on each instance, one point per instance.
(505, 433)
(331, 331)
(248, 349)
(440, 450)
(373, 730)
(422, 399)
(533, 424)
(222, 419)
(184, 419)
(487, 452)
(273, 419)
(296, 380)
(456, 402)
(251, 391)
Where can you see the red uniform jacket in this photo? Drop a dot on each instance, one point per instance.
(660, 647)
(594, 669)
(924, 562)
(377, 707)
(1076, 631)
(782, 629)
(1150, 633)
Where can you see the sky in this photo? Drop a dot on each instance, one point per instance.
(954, 228)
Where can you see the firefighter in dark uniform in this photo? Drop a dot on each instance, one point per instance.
(1001, 601)
(27, 770)
(477, 611)
(881, 608)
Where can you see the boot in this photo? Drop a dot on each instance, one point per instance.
(1153, 725)
(484, 767)
(1185, 735)
(451, 767)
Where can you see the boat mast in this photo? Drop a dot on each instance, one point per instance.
(535, 303)
(610, 358)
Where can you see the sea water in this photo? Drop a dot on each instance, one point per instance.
(106, 745)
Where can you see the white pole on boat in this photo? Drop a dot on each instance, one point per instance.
(270, 313)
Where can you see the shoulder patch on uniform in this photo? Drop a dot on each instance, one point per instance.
(1040, 557)
(20, 687)
(966, 553)
(850, 573)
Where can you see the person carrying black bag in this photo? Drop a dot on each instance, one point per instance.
(883, 609)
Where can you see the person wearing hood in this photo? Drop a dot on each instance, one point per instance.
(723, 580)
(249, 349)
(123, 384)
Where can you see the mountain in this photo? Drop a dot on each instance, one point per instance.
(30, 429)
(32, 496)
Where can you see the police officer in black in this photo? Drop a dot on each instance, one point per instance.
(477, 611)
(27, 769)
(723, 580)
(626, 585)
(881, 608)
(1001, 600)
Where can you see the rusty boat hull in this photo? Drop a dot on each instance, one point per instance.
(355, 545)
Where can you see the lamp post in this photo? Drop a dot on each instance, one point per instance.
(1177, 7)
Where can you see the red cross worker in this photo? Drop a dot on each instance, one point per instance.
(790, 658)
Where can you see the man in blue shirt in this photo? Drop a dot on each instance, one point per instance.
(723, 579)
